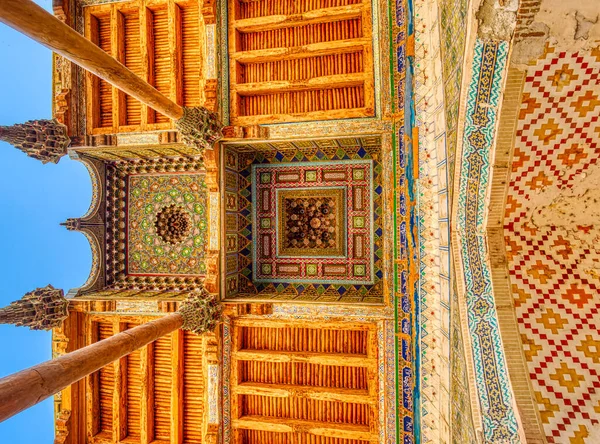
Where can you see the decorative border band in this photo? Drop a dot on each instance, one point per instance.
(492, 380)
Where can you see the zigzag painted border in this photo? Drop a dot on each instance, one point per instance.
(492, 380)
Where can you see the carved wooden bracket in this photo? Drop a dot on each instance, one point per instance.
(211, 282)
(62, 426)
(234, 310)
(246, 132)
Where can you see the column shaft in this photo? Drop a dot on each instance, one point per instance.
(35, 22)
(26, 388)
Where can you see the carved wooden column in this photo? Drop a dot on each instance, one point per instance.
(30, 386)
(198, 126)
(45, 140)
(19, 391)
(41, 309)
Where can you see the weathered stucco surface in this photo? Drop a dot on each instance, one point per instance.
(562, 24)
(497, 19)
(574, 213)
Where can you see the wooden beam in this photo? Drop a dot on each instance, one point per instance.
(32, 20)
(145, 43)
(147, 396)
(321, 325)
(177, 386)
(117, 51)
(373, 379)
(174, 20)
(324, 15)
(357, 396)
(282, 86)
(372, 373)
(310, 50)
(261, 119)
(119, 403)
(337, 359)
(369, 89)
(288, 425)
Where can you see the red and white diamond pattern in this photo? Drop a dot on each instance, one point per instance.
(554, 269)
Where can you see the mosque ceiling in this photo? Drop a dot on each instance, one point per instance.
(156, 224)
(552, 236)
(267, 258)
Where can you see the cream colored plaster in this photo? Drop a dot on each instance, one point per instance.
(570, 209)
(566, 25)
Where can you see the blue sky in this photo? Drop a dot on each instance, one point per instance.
(34, 199)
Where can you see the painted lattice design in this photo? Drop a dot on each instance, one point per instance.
(238, 205)
(552, 267)
(149, 250)
(136, 192)
(347, 186)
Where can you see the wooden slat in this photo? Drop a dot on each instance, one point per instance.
(339, 359)
(301, 68)
(161, 65)
(147, 406)
(317, 393)
(334, 81)
(263, 8)
(308, 116)
(162, 388)
(117, 51)
(265, 23)
(299, 35)
(134, 392)
(106, 384)
(286, 425)
(177, 386)
(192, 58)
(133, 61)
(92, 399)
(105, 89)
(304, 374)
(119, 401)
(194, 405)
(236, 344)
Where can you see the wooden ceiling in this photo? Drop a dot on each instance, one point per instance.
(292, 60)
(160, 41)
(309, 382)
(155, 395)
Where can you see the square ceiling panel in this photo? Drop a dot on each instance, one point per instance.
(296, 170)
(166, 224)
(313, 222)
(156, 225)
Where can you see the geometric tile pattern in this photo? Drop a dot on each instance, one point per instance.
(406, 276)
(137, 257)
(239, 162)
(453, 16)
(556, 296)
(147, 252)
(347, 186)
(491, 373)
